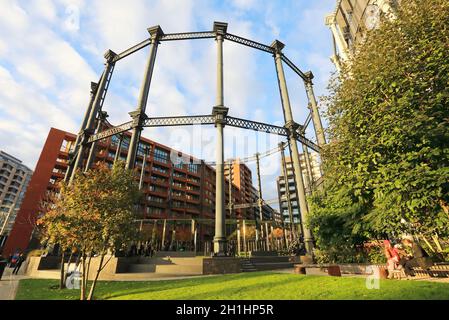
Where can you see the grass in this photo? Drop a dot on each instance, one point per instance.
(257, 285)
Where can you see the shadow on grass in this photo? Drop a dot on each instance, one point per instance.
(188, 284)
(239, 284)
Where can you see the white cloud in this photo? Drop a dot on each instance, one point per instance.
(49, 53)
(245, 4)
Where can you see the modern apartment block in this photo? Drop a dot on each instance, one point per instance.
(350, 22)
(14, 179)
(177, 187)
(241, 177)
(315, 174)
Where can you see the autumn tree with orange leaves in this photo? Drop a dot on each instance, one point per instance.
(96, 215)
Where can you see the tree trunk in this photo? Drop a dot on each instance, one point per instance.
(83, 277)
(94, 283)
(68, 266)
(62, 279)
(87, 275)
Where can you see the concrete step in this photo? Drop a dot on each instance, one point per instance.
(273, 266)
(269, 259)
(174, 254)
(247, 266)
(141, 268)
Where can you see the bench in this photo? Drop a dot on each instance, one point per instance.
(330, 269)
(438, 270)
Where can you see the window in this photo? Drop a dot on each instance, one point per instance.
(179, 165)
(115, 140)
(61, 160)
(178, 184)
(193, 168)
(158, 179)
(154, 188)
(192, 188)
(178, 204)
(160, 155)
(67, 146)
(143, 149)
(13, 189)
(157, 211)
(178, 194)
(160, 169)
(179, 175)
(155, 199)
(7, 166)
(192, 197)
(192, 179)
(125, 143)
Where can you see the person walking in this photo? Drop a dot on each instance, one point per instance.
(19, 262)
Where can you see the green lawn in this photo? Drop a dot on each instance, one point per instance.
(257, 285)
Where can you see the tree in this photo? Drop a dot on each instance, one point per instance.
(98, 215)
(55, 228)
(388, 114)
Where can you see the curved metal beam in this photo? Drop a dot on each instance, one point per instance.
(188, 36)
(294, 67)
(248, 43)
(205, 120)
(179, 121)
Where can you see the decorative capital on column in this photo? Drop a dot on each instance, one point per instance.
(103, 115)
(220, 110)
(86, 135)
(109, 56)
(292, 127)
(93, 87)
(309, 75)
(277, 46)
(330, 19)
(220, 113)
(138, 117)
(155, 32)
(220, 28)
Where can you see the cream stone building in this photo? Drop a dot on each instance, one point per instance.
(350, 22)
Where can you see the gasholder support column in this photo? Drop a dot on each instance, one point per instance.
(220, 112)
(93, 90)
(102, 116)
(89, 129)
(292, 128)
(139, 115)
(316, 119)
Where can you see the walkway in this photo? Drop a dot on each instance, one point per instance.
(9, 285)
(420, 278)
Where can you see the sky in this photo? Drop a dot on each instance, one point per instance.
(51, 50)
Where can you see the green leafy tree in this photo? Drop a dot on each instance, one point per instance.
(388, 113)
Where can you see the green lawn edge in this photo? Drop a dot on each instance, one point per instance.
(245, 286)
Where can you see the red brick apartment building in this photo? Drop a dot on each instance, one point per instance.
(183, 191)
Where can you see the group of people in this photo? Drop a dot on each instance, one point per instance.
(406, 255)
(144, 249)
(15, 261)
